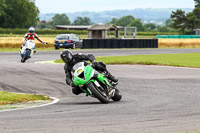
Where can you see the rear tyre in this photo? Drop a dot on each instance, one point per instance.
(117, 96)
(101, 96)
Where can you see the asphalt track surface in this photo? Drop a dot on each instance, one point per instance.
(156, 99)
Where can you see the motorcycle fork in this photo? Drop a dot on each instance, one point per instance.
(105, 83)
(84, 89)
(103, 79)
(31, 53)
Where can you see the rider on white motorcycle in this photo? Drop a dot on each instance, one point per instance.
(30, 36)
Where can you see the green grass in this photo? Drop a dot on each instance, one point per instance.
(11, 98)
(181, 60)
(9, 49)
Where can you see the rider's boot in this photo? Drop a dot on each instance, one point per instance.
(34, 50)
(76, 90)
(111, 77)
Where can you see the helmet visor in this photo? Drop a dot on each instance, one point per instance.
(64, 59)
(66, 56)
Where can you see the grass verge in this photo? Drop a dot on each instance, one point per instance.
(180, 60)
(11, 98)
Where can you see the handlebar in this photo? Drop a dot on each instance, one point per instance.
(45, 43)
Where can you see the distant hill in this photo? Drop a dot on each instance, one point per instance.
(147, 15)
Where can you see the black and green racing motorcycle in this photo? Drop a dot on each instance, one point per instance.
(94, 84)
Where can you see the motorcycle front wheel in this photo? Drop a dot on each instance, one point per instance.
(99, 94)
(25, 56)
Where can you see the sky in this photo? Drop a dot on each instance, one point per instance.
(71, 6)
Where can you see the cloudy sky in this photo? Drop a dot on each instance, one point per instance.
(70, 6)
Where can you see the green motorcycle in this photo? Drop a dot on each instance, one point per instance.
(94, 84)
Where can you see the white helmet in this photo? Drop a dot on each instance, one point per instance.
(31, 30)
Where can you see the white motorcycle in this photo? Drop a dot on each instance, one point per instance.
(28, 50)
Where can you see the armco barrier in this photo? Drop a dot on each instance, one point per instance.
(120, 43)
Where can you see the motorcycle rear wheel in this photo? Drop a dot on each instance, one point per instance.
(117, 96)
(98, 93)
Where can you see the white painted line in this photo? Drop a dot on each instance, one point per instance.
(55, 100)
(47, 62)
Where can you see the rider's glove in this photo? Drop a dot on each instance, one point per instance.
(72, 84)
(44, 43)
(93, 61)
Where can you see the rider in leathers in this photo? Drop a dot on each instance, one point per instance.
(30, 36)
(71, 59)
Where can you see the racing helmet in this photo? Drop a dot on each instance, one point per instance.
(66, 55)
(31, 30)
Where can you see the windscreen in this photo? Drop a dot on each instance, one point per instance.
(80, 64)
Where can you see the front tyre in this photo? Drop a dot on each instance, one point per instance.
(100, 95)
(117, 96)
(25, 57)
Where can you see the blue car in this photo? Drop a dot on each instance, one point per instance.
(67, 41)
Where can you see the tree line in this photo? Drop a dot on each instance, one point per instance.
(179, 21)
(63, 19)
(130, 21)
(18, 13)
(186, 22)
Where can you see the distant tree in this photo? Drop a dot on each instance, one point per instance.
(86, 21)
(137, 23)
(60, 19)
(45, 26)
(149, 27)
(196, 13)
(113, 21)
(189, 21)
(192, 21)
(179, 20)
(18, 13)
(2, 7)
(42, 26)
(197, 3)
(163, 29)
(125, 21)
(168, 22)
(193, 18)
(82, 21)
